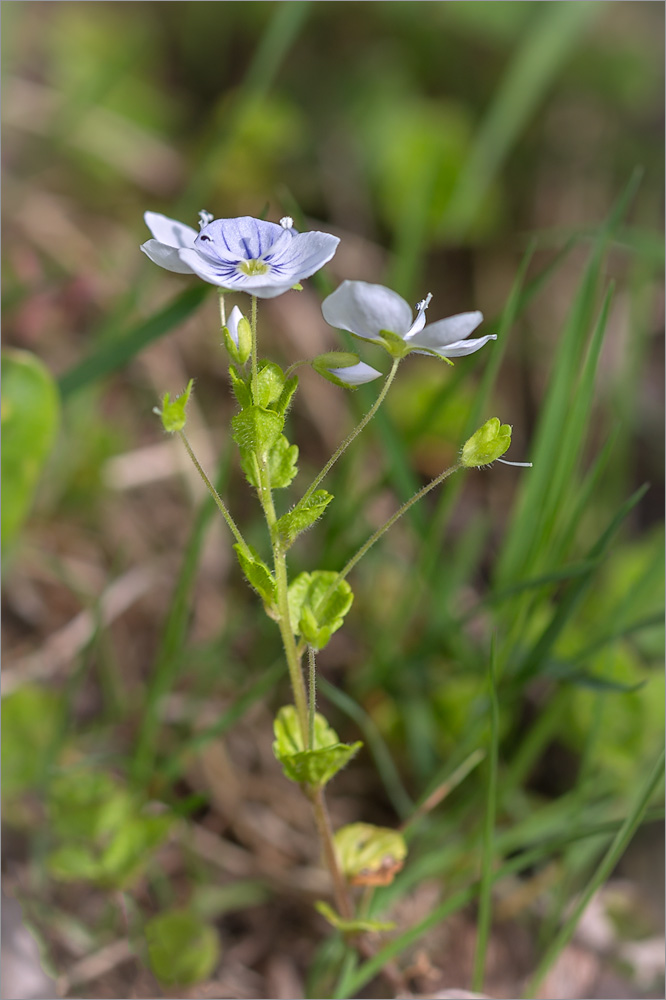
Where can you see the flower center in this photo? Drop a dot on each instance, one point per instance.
(252, 267)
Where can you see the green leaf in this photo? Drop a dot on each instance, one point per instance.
(182, 948)
(257, 574)
(269, 384)
(370, 855)
(256, 430)
(316, 612)
(282, 467)
(303, 515)
(87, 804)
(31, 722)
(317, 765)
(173, 411)
(283, 403)
(30, 416)
(74, 863)
(240, 388)
(351, 926)
(126, 856)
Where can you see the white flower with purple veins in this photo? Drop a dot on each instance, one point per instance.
(375, 313)
(240, 255)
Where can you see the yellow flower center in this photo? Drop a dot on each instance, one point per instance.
(252, 267)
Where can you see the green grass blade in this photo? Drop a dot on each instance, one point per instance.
(573, 435)
(116, 353)
(603, 871)
(527, 858)
(574, 594)
(555, 32)
(526, 523)
(488, 855)
(283, 28)
(388, 772)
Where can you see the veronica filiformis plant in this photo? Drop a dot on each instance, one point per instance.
(264, 260)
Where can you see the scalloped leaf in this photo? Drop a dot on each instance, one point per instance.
(256, 429)
(269, 384)
(257, 574)
(370, 855)
(315, 766)
(316, 612)
(303, 515)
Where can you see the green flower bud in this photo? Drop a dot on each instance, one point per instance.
(487, 444)
(173, 411)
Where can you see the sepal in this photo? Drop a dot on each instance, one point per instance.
(317, 765)
(487, 444)
(172, 413)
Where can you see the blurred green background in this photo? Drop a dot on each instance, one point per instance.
(472, 149)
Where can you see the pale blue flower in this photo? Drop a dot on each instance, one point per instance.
(235, 316)
(354, 375)
(372, 311)
(241, 255)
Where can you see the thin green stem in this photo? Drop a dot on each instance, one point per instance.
(312, 697)
(222, 507)
(282, 587)
(346, 570)
(253, 327)
(354, 433)
(485, 889)
(292, 368)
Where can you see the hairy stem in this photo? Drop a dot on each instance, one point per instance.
(253, 327)
(312, 697)
(322, 819)
(385, 527)
(222, 507)
(354, 433)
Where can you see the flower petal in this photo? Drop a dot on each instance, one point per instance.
(165, 256)
(232, 323)
(168, 231)
(243, 238)
(448, 331)
(459, 349)
(208, 269)
(366, 309)
(301, 255)
(355, 374)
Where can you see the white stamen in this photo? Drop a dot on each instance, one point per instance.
(419, 322)
(520, 465)
(287, 222)
(204, 218)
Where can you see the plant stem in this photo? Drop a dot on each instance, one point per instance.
(253, 327)
(216, 497)
(386, 525)
(312, 697)
(354, 433)
(322, 819)
(282, 585)
(223, 312)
